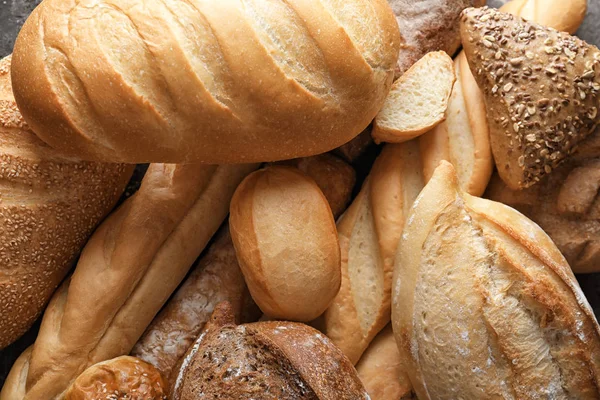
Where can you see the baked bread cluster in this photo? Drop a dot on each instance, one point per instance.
(307, 228)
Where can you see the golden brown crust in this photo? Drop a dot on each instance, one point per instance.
(128, 270)
(562, 15)
(543, 102)
(80, 95)
(369, 232)
(488, 305)
(121, 378)
(383, 370)
(49, 205)
(286, 243)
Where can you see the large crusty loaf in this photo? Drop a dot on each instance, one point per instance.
(286, 243)
(485, 306)
(428, 25)
(566, 206)
(540, 87)
(49, 205)
(217, 277)
(217, 82)
(383, 370)
(417, 101)
(121, 378)
(264, 360)
(369, 232)
(126, 272)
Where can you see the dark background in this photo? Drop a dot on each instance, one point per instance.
(14, 12)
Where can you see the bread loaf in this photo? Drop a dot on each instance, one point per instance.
(122, 378)
(562, 15)
(217, 277)
(383, 371)
(127, 271)
(221, 82)
(266, 360)
(49, 205)
(565, 205)
(540, 88)
(428, 25)
(485, 306)
(369, 232)
(286, 243)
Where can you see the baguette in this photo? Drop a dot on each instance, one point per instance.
(217, 277)
(533, 126)
(126, 272)
(369, 232)
(49, 206)
(486, 306)
(383, 371)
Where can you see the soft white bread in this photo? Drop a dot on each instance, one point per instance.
(463, 138)
(121, 378)
(485, 306)
(49, 205)
(127, 271)
(540, 88)
(562, 15)
(381, 369)
(203, 81)
(286, 243)
(428, 25)
(417, 101)
(369, 232)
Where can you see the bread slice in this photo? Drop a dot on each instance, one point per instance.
(417, 101)
(540, 88)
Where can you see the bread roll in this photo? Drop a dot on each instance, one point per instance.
(428, 25)
(369, 232)
(485, 306)
(286, 243)
(127, 271)
(562, 15)
(266, 360)
(217, 277)
(540, 88)
(566, 206)
(49, 205)
(122, 378)
(383, 371)
(203, 81)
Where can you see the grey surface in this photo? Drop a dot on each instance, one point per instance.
(12, 15)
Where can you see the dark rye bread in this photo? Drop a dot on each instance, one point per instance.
(541, 89)
(266, 360)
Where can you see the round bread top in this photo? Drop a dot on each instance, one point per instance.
(286, 243)
(226, 81)
(122, 378)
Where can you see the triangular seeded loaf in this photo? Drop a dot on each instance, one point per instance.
(541, 89)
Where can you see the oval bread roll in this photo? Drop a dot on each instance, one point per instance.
(485, 306)
(215, 82)
(286, 242)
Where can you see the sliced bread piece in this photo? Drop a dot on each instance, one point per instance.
(417, 101)
(541, 90)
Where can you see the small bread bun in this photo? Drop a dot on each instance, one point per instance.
(286, 242)
(122, 378)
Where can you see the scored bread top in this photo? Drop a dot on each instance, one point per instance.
(541, 90)
(225, 81)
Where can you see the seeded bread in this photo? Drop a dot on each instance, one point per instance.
(49, 205)
(485, 306)
(266, 360)
(417, 101)
(369, 232)
(122, 378)
(540, 87)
